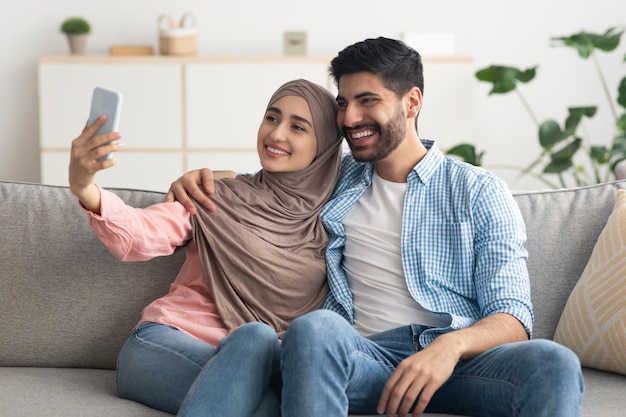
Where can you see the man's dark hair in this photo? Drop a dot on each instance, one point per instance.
(398, 65)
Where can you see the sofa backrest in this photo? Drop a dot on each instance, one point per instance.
(65, 301)
(562, 228)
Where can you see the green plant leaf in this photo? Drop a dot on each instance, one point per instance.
(575, 115)
(600, 154)
(621, 123)
(608, 41)
(550, 134)
(556, 167)
(578, 41)
(75, 25)
(527, 75)
(562, 159)
(618, 150)
(621, 93)
(588, 111)
(503, 78)
(467, 153)
(568, 151)
(585, 42)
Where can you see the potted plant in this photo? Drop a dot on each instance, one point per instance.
(562, 143)
(77, 29)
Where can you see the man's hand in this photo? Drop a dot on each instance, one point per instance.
(189, 185)
(418, 376)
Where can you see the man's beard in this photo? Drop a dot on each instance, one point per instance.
(390, 136)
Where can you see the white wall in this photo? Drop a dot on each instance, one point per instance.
(489, 30)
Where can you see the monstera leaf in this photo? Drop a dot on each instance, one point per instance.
(505, 79)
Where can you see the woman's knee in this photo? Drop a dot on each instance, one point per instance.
(318, 322)
(256, 330)
(318, 329)
(158, 364)
(253, 339)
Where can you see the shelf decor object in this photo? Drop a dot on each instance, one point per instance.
(77, 30)
(178, 39)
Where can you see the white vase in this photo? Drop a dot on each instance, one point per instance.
(77, 43)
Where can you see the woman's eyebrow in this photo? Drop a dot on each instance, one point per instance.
(293, 117)
(300, 119)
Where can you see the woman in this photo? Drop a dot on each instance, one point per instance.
(211, 345)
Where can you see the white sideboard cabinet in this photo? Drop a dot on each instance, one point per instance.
(181, 113)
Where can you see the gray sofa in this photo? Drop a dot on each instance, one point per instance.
(67, 306)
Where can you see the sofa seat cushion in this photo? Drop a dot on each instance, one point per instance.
(67, 392)
(70, 392)
(604, 394)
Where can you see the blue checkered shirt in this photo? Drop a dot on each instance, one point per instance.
(462, 242)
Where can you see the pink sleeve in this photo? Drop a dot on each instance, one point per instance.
(134, 234)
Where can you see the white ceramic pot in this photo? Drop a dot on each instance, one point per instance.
(77, 42)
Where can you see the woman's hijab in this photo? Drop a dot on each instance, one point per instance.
(262, 250)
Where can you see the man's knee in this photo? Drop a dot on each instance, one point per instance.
(563, 361)
(552, 365)
(551, 353)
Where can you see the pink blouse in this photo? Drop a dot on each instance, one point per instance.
(133, 234)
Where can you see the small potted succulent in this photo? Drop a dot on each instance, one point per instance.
(77, 29)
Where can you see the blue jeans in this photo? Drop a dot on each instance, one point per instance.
(169, 370)
(328, 369)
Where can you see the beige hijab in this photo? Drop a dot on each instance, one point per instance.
(262, 250)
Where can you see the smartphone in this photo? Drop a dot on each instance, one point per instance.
(109, 102)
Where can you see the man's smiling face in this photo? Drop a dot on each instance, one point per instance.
(370, 115)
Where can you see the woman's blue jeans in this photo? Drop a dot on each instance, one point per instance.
(328, 369)
(169, 370)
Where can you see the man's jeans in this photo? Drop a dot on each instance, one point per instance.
(169, 370)
(328, 369)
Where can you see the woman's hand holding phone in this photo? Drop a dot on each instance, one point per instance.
(90, 153)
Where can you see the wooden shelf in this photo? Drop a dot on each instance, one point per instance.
(153, 59)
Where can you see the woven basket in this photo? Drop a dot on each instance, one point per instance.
(178, 40)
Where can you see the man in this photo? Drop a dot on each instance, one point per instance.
(429, 308)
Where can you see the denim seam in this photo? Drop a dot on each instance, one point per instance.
(514, 406)
(386, 364)
(157, 347)
(486, 379)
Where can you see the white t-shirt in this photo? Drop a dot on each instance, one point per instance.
(373, 262)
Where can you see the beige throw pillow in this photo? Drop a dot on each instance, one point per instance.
(593, 323)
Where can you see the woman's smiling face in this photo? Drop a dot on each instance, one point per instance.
(286, 139)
